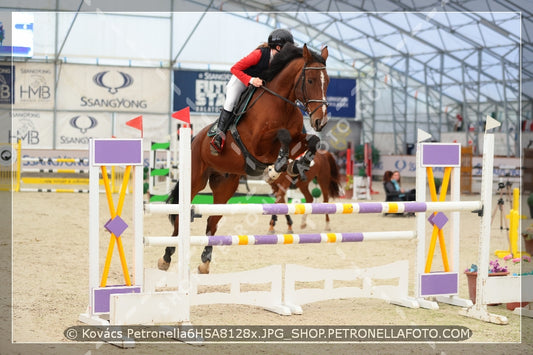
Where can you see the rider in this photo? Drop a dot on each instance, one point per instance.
(245, 72)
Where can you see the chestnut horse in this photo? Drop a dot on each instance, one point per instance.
(324, 168)
(268, 134)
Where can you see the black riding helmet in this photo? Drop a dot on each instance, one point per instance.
(279, 37)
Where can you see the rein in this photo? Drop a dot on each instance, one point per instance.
(306, 102)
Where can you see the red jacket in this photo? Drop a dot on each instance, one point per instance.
(251, 60)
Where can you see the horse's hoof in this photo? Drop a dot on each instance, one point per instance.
(303, 226)
(327, 228)
(271, 231)
(162, 264)
(203, 268)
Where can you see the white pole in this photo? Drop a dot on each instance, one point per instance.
(486, 198)
(94, 226)
(184, 211)
(421, 179)
(138, 216)
(455, 195)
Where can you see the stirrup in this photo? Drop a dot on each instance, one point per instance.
(214, 143)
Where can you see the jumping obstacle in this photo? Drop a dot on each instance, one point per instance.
(428, 284)
(149, 306)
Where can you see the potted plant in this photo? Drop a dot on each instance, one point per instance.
(528, 238)
(525, 258)
(495, 269)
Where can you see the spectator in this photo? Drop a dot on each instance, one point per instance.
(393, 189)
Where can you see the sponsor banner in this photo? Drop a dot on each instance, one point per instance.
(205, 91)
(34, 86)
(33, 128)
(27, 86)
(117, 89)
(75, 129)
(341, 97)
(7, 77)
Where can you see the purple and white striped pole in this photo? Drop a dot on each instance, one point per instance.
(266, 239)
(319, 208)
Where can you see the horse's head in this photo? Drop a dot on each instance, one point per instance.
(312, 86)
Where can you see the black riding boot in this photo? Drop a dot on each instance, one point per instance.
(222, 126)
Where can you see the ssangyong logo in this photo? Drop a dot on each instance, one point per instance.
(113, 81)
(83, 123)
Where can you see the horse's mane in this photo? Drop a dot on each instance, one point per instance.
(288, 53)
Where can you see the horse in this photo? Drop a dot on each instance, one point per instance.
(324, 168)
(268, 134)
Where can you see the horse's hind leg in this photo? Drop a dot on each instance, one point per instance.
(223, 187)
(324, 178)
(199, 181)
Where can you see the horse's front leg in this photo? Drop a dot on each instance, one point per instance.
(280, 165)
(301, 165)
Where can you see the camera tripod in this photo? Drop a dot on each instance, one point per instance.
(500, 206)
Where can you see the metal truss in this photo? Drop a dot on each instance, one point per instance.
(435, 58)
(455, 57)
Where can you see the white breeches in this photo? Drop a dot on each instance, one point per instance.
(234, 89)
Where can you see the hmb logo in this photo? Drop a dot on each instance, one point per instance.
(37, 89)
(113, 81)
(26, 132)
(6, 88)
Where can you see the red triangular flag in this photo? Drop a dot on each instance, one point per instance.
(183, 115)
(136, 122)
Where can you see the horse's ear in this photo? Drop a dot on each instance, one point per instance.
(308, 57)
(324, 53)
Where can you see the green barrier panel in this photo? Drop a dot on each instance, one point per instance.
(158, 198)
(159, 172)
(208, 199)
(160, 146)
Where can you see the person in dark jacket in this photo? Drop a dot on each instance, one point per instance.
(393, 189)
(247, 72)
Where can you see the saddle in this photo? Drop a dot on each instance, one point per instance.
(238, 111)
(253, 166)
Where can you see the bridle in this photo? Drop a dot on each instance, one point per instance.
(307, 101)
(304, 103)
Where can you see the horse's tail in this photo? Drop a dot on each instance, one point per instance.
(334, 182)
(173, 198)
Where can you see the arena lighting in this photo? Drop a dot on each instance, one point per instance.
(494, 27)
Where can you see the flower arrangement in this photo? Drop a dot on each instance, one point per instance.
(494, 267)
(525, 258)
